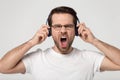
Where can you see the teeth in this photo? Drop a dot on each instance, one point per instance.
(63, 37)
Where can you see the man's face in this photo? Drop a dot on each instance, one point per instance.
(63, 32)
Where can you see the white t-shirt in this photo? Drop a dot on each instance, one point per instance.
(50, 65)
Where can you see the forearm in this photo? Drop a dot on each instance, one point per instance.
(111, 52)
(12, 57)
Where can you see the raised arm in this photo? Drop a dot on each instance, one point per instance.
(11, 62)
(112, 54)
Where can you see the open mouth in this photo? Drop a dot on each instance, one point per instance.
(63, 41)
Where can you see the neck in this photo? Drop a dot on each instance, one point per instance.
(64, 51)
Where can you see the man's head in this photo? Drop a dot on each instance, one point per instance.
(62, 21)
(63, 9)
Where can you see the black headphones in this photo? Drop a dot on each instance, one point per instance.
(76, 28)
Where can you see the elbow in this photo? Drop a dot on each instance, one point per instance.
(3, 69)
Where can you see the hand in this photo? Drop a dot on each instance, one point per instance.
(40, 36)
(85, 33)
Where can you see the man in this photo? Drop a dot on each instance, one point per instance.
(62, 61)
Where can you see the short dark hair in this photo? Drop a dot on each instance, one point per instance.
(63, 9)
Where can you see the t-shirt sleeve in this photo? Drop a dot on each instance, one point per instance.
(98, 61)
(29, 59)
(95, 59)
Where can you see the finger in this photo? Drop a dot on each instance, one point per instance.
(82, 23)
(45, 34)
(45, 26)
(80, 30)
(41, 33)
(44, 29)
(87, 30)
(42, 36)
(78, 25)
(84, 36)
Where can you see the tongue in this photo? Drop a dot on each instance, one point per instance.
(63, 44)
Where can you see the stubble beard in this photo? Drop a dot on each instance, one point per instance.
(65, 50)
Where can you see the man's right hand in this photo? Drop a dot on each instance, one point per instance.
(40, 35)
(11, 62)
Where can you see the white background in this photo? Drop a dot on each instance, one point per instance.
(20, 19)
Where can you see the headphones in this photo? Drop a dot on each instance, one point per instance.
(76, 28)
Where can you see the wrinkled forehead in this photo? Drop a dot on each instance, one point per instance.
(62, 18)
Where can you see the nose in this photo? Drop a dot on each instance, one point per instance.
(63, 29)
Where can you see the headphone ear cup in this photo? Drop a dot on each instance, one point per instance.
(49, 30)
(76, 30)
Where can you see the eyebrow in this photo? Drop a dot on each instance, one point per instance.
(64, 24)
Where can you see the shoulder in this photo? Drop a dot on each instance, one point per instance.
(88, 53)
(33, 54)
(91, 52)
(85, 52)
(37, 53)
